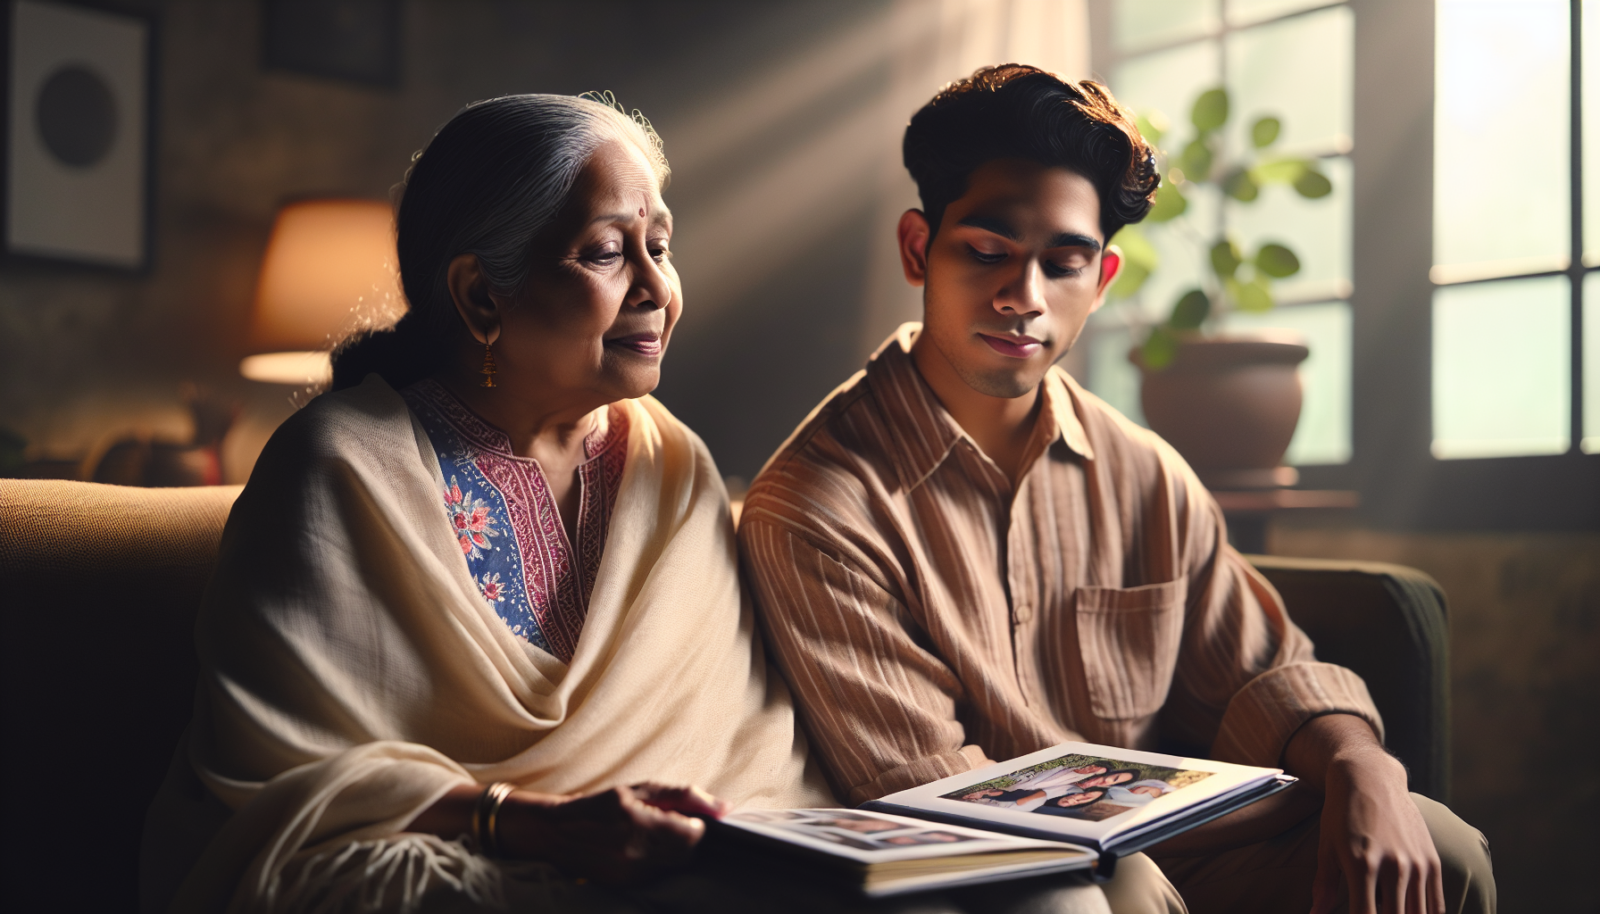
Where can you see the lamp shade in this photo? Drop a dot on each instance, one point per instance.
(329, 270)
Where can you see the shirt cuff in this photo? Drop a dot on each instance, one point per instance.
(922, 771)
(1264, 715)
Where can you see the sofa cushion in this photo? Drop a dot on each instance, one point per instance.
(99, 586)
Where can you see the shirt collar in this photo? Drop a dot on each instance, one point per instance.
(923, 431)
(1061, 397)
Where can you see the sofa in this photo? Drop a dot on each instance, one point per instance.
(99, 586)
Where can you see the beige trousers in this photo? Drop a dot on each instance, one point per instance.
(1266, 878)
(1276, 875)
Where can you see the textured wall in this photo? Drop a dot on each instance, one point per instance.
(782, 121)
(1525, 676)
(86, 355)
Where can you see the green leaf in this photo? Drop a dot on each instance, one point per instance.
(1277, 261)
(1264, 133)
(1191, 311)
(1170, 203)
(1225, 258)
(1210, 110)
(1241, 186)
(1196, 160)
(1136, 248)
(1139, 260)
(1280, 171)
(1130, 279)
(1152, 126)
(1255, 295)
(1159, 349)
(1313, 184)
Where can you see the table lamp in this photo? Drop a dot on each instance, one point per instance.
(329, 270)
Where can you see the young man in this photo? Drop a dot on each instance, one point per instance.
(962, 556)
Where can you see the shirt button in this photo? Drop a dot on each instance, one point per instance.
(1024, 612)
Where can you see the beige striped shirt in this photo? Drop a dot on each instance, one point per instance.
(930, 617)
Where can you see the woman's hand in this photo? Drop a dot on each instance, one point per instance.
(616, 835)
(613, 836)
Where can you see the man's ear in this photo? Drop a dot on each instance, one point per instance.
(469, 289)
(913, 234)
(1110, 266)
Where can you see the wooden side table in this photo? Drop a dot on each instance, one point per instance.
(1248, 510)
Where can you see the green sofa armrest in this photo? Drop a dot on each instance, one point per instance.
(1389, 625)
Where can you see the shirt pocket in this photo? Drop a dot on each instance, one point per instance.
(1129, 639)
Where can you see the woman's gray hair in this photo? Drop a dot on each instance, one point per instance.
(487, 184)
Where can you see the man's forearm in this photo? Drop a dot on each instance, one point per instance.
(1337, 739)
(1316, 745)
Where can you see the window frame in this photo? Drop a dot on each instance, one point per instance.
(1401, 484)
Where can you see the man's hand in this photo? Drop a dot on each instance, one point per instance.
(1372, 833)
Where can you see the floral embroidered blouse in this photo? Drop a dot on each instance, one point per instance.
(505, 518)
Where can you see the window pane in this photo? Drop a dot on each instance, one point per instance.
(1591, 363)
(1298, 71)
(1323, 435)
(1141, 23)
(1182, 245)
(1591, 132)
(1244, 12)
(1112, 377)
(1318, 231)
(1500, 190)
(1501, 368)
(1169, 82)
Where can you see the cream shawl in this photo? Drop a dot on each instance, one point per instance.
(352, 674)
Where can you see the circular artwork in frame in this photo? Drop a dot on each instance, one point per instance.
(75, 113)
(77, 135)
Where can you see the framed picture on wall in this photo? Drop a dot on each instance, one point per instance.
(78, 135)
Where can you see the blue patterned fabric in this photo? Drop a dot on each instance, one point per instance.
(506, 521)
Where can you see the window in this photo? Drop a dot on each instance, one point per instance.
(1510, 257)
(1450, 291)
(1290, 59)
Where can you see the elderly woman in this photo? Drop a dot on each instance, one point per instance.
(480, 602)
(486, 584)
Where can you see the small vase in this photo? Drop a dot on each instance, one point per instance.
(1229, 405)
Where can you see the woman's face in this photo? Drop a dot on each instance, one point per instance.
(1079, 799)
(601, 297)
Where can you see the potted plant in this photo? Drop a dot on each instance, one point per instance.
(1229, 404)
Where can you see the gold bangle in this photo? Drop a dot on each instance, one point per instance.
(486, 817)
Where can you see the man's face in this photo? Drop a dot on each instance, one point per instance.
(1012, 275)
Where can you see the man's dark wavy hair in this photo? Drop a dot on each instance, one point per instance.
(1014, 111)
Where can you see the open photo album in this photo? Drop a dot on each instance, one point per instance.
(886, 854)
(1072, 806)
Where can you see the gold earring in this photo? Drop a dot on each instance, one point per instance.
(488, 370)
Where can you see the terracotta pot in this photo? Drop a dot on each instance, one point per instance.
(1229, 405)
